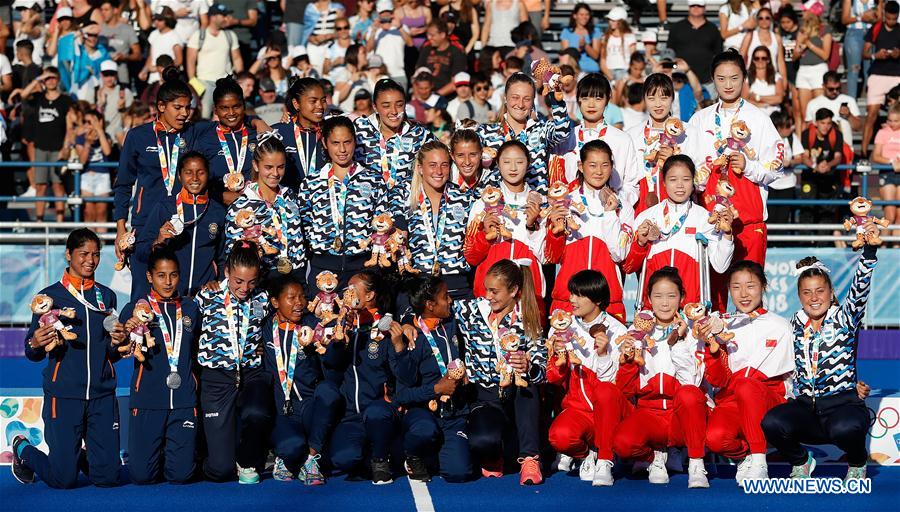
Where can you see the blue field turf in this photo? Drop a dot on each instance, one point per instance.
(560, 492)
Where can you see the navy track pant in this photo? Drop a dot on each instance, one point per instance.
(68, 422)
(425, 433)
(161, 442)
(308, 427)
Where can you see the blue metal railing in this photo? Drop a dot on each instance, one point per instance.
(76, 200)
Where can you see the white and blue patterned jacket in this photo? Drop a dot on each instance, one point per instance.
(286, 208)
(538, 135)
(481, 348)
(215, 349)
(453, 213)
(838, 338)
(360, 196)
(395, 162)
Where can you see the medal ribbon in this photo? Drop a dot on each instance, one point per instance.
(241, 150)
(811, 360)
(432, 232)
(286, 359)
(651, 169)
(721, 150)
(678, 224)
(308, 160)
(168, 160)
(522, 136)
(601, 132)
(387, 162)
(67, 282)
(238, 339)
(337, 201)
(173, 347)
(442, 366)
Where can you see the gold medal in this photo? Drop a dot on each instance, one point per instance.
(435, 269)
(284, 265)
(337, 244)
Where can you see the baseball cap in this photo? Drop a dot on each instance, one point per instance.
(109, 66)
(462, 79)
(701, 3)
(648, 37)
(362, 94)
(423, 72)
(296, 51)
(375, 61)
(384, 5)
(266, 84)
(666, 54)
(64, 12)
(617, 14)
(219, 9)
(27, 4)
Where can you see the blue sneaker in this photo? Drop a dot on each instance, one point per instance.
(280, 471)
(855, 473)
(20, 471)
(247, 475)
(806, 469)
(310, 473)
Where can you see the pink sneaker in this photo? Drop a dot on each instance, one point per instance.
(492, 469)
(530, 474)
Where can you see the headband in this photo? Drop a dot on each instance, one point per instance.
(818, 265)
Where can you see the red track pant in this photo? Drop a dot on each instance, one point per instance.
(648, 429)
(734, 428)
(575, 431)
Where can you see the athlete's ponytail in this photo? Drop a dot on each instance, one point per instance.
(244, 253)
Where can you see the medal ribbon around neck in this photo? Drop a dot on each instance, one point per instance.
(442, 366)
(173, 346)
(238, 339)
(811, 339)
(432, 232)
(279, 221)
(179, 212)
(308, 159)
(168, 160)
(338, 205)
(387, 162)
(665, 235)
(601, 132)
(718, 133)
(241, 150)
(67, 283)
(286, 358)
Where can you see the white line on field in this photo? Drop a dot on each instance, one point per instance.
(421, 496)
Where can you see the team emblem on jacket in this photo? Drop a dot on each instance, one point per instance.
(373, 350)
(252, 147)
(181, 143)
(458, 212)
(213, 229)
(186, 322)
(259, 309)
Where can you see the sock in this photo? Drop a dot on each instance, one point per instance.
(695, 462)
(758, 458)
(21, 448)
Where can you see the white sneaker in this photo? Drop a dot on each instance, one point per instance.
(697, 475)
(564, 462)
(247, 475)
(675, 459)
(658, 473)
(743, 468)
(603, 473)
(586, 472)
(31, 192)
(758, 471)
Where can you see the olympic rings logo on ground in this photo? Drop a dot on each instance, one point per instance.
(885, 422)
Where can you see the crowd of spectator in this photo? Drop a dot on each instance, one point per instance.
(79, 74)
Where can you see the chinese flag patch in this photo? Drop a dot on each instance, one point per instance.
(771, 343)
(690, 231)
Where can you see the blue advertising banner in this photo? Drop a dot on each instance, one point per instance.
(26, 269)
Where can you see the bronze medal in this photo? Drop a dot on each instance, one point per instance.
(337, 244)
(435, 269)
(284, 265)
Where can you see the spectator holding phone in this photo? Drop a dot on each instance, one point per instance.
(842, 106)
(93, 147)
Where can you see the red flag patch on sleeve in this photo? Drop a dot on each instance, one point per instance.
(771, 343)
(690, 231)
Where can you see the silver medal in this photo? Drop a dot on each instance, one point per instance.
(177, 225)
(173, 381)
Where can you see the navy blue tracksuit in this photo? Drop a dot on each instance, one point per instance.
(316, 403)
(139, 182)
(369, 418)
(206, 141)
(424, 432)
(303, 160)
(79, 394)
(163, 426)
(199, 248)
